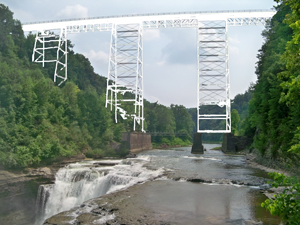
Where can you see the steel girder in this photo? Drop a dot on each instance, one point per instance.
(167, 23)
(183, 19)
(161, 23)
(213, 78)
(193, 23)
(56, 46)
(125, 75)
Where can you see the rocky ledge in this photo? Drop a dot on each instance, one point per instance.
(133, 206)
(18, 191)
(123, 207)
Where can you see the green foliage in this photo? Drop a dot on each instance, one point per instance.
(290, 76)
(174, 119)
(285, 204)
(11, 34)
(174, 141)
(183, 120)
(40, 122)
(241, 104)
(273, 118)
(295, 148)
(235, 119)
(95, 153)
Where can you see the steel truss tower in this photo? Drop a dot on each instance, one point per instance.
(213, 77)
(125, 74)
(56, 47)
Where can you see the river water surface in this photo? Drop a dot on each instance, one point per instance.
(212, 188)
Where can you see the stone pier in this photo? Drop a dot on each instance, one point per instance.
(136, 142)
(197, 147)
(233, 143)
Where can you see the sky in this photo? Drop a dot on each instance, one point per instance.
(170, 55)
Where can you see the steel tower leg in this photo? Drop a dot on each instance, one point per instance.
(45, 41)
(213, 78)
(125, 73)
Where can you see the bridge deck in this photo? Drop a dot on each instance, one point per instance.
(160, 20)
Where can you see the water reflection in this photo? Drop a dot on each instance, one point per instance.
(198, 203)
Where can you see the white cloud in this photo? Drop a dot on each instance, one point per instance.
(97, 57)
(75, 11)
(150, 35)
(161, 63)
(23, 15)
(234, 50)
(234, 45)
(234, 40)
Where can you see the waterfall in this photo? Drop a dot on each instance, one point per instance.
(79, 182)
(42, 197)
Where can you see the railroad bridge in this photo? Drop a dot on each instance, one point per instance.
(125, 73)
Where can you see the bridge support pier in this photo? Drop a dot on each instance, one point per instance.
(197, 147)
(232, 144)
(136, 141)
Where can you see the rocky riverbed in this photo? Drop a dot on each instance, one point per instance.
(212, 188)
(135, 206)
(192, 188)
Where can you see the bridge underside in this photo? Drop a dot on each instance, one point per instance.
(125, 75)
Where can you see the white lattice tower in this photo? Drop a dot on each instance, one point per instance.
(213, 76)
(46, 41)
(125, 75)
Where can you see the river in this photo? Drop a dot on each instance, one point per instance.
(214, 188)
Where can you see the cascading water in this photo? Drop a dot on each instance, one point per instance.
(79, 182)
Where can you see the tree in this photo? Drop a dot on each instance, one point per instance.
(235, 119)
(11, 33)
(269, 118)
(285, 204)
(183, 120)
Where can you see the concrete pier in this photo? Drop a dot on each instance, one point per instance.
(136, 142)
(197, 147)
(233, 143)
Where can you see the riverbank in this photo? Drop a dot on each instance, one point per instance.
(253, 161)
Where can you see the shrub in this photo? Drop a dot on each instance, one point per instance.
(286, 204)
(94, 153)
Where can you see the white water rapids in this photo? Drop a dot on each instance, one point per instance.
(79, 182)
